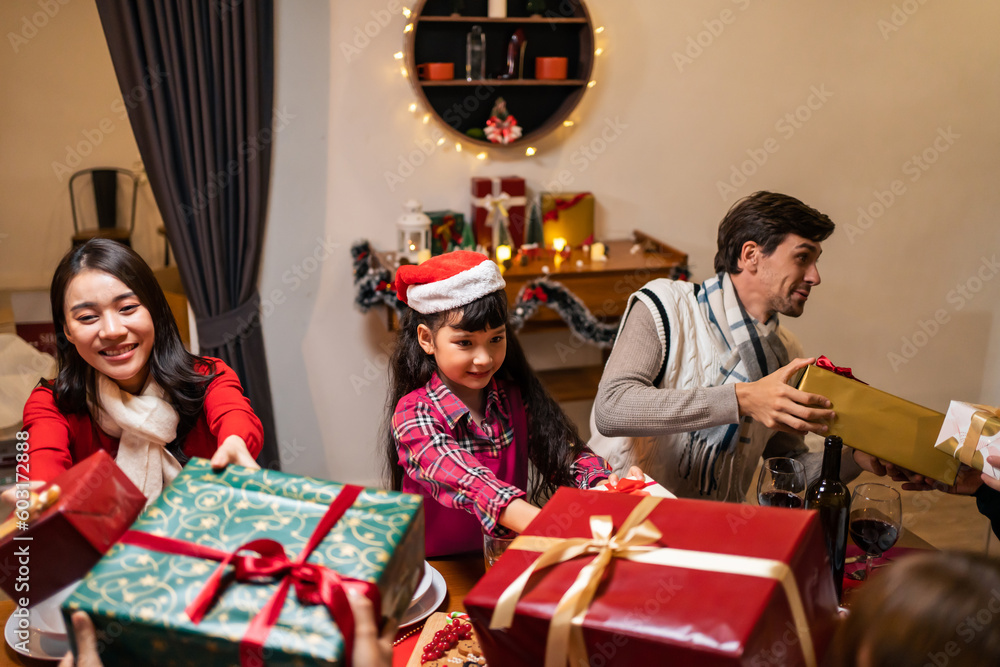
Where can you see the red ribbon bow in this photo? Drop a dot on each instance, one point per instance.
(314, 584)
(824, 362)
(630, 486)
(562, 205)
(535, 293)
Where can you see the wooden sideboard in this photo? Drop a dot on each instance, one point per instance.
(602, 286)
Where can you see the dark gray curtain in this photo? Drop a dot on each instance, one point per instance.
(197, 80)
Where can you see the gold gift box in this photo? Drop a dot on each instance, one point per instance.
(562, 218)
(881, 424)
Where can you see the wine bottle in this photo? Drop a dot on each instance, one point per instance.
(831, 497)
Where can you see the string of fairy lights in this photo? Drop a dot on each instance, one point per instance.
(415, 108)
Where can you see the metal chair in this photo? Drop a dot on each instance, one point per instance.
(106, 209)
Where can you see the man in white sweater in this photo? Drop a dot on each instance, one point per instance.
(695, 391)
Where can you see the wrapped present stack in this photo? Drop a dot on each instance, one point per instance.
(568, 215)
(609, 578)
(498, 201)
(82, 512)
(970, 433)
(879, 423)
(447, 228)
(175, 581)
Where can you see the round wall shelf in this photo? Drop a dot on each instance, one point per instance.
(540, 106)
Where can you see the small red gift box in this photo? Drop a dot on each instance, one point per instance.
(96, 504)
(658, 581)
(492, 199)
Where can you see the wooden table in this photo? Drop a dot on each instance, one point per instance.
(460, 573)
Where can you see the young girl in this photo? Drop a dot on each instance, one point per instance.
(126, 384)
(467, 412)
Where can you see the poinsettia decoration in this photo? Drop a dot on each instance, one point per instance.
(502, 127)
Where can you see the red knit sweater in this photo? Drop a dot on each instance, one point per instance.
(57, 441)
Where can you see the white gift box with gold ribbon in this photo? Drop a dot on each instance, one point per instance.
(970, 433)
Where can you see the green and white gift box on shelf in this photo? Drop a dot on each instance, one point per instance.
(175, 591)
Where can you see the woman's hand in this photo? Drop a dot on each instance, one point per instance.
(233, 450)
(370, 648)
(517, 515)
(633, 473)
(8, 499)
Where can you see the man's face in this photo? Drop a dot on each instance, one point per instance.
(788, 274)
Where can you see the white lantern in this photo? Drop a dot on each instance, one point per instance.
(414, 233)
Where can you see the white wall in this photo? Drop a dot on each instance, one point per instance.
(885, 99)
(61, 110)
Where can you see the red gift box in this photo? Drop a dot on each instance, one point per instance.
(498, 195)
(695, 610)
(96, 505)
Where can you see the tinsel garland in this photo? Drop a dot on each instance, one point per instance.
(375, 287)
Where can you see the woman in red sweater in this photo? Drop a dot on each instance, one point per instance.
(126, 384)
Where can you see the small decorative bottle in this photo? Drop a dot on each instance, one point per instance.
(497, 9)
(475, 55)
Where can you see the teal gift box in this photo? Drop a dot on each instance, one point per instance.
(447, 228)
(140, 598)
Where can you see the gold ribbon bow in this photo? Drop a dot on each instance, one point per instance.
(633, 541)
(980, 425)
(37, 503)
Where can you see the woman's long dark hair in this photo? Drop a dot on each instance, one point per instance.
(552, 438)
(170, 364)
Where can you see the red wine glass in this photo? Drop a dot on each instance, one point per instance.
(876, 519)
(782, 483)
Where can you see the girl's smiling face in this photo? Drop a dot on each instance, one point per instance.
(466, 360)
(110, 328)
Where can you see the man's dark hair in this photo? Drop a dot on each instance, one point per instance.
(766, 218)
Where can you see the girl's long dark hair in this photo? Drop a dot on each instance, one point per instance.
(552, 438)
(170, 364)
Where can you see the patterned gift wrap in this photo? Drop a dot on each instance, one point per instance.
(138, 597)
(446, 231)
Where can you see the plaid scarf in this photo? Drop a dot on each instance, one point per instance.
(756, 350)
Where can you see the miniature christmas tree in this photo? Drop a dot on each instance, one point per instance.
(534, 234)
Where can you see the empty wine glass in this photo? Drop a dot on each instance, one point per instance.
(876, 518)
(782, 483)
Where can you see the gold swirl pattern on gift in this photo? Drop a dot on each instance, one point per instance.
(227, 510)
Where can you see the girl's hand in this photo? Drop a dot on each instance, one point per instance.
(634, 472)
(233, 450)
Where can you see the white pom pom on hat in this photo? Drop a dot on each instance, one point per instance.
(447, 281)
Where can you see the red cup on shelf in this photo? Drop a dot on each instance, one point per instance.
(436, 71)
(550, 68)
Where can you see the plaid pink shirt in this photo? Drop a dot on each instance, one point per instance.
(447, 466)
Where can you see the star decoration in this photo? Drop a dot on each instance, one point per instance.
(243, 504)
(261, 525)
(148, 580)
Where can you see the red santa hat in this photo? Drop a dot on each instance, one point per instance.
(447, 281)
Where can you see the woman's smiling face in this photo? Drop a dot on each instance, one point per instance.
(110, 328)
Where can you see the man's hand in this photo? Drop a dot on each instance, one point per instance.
(775, 404)
(969, 479)
(233, 450)
(86, 643)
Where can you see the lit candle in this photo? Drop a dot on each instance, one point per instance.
(503, 253)
(559, 244)
(423, 255)
(597, 252)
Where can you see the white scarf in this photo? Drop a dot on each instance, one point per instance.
(144, 424)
